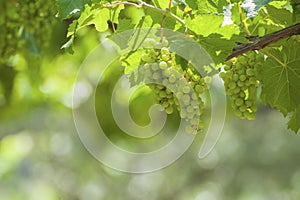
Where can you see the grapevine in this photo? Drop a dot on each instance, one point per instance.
(258, 48)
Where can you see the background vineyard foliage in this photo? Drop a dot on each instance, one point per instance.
(40, 154)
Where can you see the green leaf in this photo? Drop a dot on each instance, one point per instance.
(100, 20)
(193, 53)
(209, 6)
(125, 24)
(72, 28)
(115, 12)
(296, 10)
(280, 77)
(279, 16)
(192, 4)
(210, 24)
(86, 17)
(163, 4)
(157, 18)
(218, 47)
(66, 8)
(31, 44)
(68, 46)
(294, 123)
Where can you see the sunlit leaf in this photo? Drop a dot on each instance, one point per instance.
(68, 7)
(280, 76)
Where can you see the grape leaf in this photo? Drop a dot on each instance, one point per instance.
(192, 4)
(158, 18)
(294, 123)
(280, 77)
(163, 4)
(218, 47)
(100, 19)
(279, 16)
(85, 19)
(125, 24)
(209, 6)
(200, 26)
(114, 15)
(296, 10)
(68, 7)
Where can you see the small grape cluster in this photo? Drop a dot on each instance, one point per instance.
(240, 80)
(172, 85)
(35, 18)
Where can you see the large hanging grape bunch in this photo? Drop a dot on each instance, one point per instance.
(24, 21)
(174, 87)
(240, 79)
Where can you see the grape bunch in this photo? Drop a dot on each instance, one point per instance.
(240, 80)
(173, 86)
(24, 20)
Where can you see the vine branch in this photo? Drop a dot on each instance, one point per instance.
(261, 42)
(142, 4)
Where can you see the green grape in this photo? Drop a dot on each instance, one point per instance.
(232, 85)
(169, 110)
(165, 57)
(162, 94)
(163, 64)
(159, 66)
(241, 83)
(243, 77)
(199, 89)
(186, 99)
(165, 50)
(156, 76)
(239, 102)
(149, 42)
(145, 57)
(167, 72)
(172, 79)
(190, 109)
(235, 77)
(154, 66)
(250, 72)
(186, 89)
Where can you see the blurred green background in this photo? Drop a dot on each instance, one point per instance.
(41, 156)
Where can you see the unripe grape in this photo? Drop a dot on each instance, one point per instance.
(169, 110)
(250, 72)
(165, 57)
(165, 50)
(232, 85)
(243, 77)
(149, 43)
(239, 102)
(186, 89)
(241, 83)
(172, 79)
(160, 65)
(227, 68)
(235, 77)
(154, 66)
(199, 89)
(163, 65)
